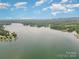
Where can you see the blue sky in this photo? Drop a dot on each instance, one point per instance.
(38, 9)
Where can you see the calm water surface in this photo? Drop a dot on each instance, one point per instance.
(39, 43)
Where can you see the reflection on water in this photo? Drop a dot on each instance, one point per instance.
(39, 43)
(8, 40)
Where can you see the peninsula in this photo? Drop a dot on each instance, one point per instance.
(6, 35)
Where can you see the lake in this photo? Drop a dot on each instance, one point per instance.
(39, 43)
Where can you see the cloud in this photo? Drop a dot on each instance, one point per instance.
(17, 5)
(61, 8)
(63, 1)
(20, 5)
(68, 10)
(55, 13)
(76, 5)
(45, 9)
(50, 1)
(72, 6)
(57, 7)
(4, 5)
(39, 2)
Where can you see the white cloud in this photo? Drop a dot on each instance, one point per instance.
(62, 8)
(39, 2)
(64, 1)
(68, 10)
(45, 9)
(54, 13)
(72, 5)
(4, 5)
(20, 5)
(50, 1)
(57, 7)
(76, 5)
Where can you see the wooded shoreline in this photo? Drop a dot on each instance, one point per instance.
(6, 35)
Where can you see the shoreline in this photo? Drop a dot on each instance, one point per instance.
(74, 33)
(8, 36)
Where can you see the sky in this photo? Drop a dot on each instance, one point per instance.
(38, 9)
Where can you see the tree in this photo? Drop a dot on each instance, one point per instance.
(1, 27)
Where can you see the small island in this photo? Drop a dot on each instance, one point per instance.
(6, 35)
